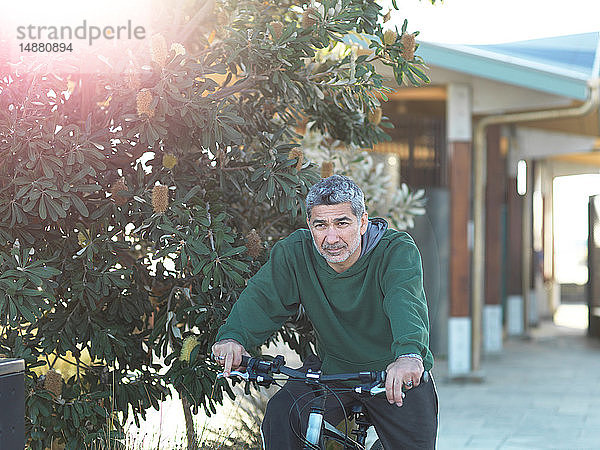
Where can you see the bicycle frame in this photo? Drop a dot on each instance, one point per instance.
(363, 424)
(318, 429)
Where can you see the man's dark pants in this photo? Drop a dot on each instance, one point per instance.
(411, 426)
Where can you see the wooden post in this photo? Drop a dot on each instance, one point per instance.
(459, 157)
(514, 263)
(495, 201)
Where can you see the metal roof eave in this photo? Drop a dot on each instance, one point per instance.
(498, 67)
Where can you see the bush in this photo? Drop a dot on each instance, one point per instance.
(135, 205)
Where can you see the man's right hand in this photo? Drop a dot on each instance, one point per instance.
(228, 353)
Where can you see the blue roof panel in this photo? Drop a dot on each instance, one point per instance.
(576, 52)
(560, 65)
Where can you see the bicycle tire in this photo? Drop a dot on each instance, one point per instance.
(377, 445)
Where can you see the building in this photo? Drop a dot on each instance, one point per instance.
(486, 138)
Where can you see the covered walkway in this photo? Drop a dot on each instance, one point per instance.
(542, 392)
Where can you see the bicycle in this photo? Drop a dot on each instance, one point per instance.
(318, 431)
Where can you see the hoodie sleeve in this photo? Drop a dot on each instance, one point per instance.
(268, 300)
(404, 298)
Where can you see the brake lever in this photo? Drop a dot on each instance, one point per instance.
(262, 380)
(236, 373)
(375, 390)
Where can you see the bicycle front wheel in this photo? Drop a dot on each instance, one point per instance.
(377, 445)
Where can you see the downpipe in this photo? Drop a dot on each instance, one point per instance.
(479, 184)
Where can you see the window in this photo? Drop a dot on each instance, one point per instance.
(420, 144)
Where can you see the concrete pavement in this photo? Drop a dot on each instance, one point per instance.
(539, 393)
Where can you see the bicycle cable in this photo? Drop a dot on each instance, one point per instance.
(298, 433)
(332, 391)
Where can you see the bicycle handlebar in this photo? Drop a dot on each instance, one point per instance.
(262, 371)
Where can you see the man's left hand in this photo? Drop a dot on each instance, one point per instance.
(404, 372)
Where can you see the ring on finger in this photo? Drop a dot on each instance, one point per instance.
(408, 383)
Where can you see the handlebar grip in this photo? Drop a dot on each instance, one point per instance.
(245, 360)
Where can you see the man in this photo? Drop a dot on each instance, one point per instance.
(361, 285)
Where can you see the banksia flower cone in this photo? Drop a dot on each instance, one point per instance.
(375, 115)
(115, 189)
(389, 37)
(309, 18)
(53, 382)
(326, 169)
(189, 344)
(159, 49)
(277, 29)
(409, 44)
(169, 161)
(160, 198)
(297, 154)
(253, 244)
(178, 48)
(144, 103)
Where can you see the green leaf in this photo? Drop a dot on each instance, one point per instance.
(80, 205)
(233, 251)
(100, 212)
(28, 314)
(236, 277)
(419, 73)
(42, 209)
(270, 187)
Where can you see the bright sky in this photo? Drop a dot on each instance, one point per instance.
(495, 21)
(571, 225)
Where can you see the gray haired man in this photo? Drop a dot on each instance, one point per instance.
(361, 285)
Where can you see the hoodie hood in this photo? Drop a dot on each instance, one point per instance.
(375, 229)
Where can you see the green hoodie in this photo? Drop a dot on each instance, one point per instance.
(364, 317)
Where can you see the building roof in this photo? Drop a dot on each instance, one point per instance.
(561, 65)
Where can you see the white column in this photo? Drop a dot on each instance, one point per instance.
(459, 346)
(458, 113)
(514, 315)
(533, 316)
(492, 329)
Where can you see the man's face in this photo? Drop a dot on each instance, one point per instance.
(336, 232)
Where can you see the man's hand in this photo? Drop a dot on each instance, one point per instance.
(228, 353)
(405, 371)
